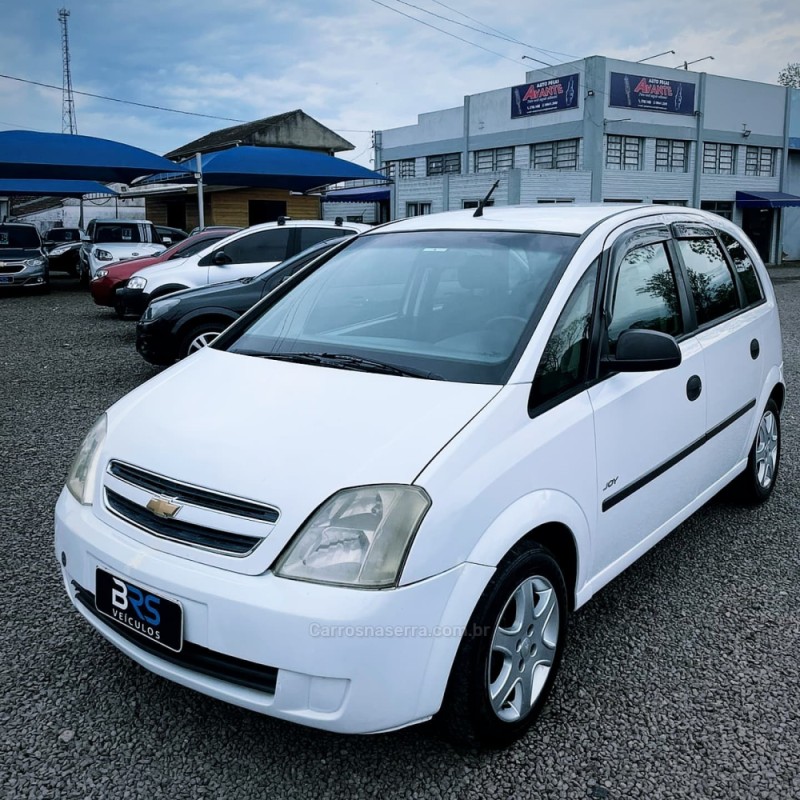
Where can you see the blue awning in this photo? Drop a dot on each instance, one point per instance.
(766, 199)
(357, 194)
(62, 156)
(43, 188)
(271, 167)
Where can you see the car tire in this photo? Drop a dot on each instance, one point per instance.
(509, 656)
(199, 336)
(755, 484)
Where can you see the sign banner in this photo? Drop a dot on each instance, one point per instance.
(651, 94)
(553, 94)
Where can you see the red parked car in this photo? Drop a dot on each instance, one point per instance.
(105, 284)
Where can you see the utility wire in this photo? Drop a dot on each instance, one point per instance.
(118, 100)
(496, 30)
(447, 33)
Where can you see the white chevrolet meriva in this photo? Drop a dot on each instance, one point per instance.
(378, 496)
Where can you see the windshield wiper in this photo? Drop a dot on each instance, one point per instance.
(345, 361)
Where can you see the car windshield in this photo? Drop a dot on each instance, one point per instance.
(115, 234)
(19, 237)
(64, 235)
(454, 305)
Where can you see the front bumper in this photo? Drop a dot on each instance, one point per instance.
(102, 290)
(156, 341)
(25, 276)
(133, 301)
(344, 660)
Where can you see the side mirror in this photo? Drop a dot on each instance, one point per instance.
(166, 240)
(641, 350)
(221, 258)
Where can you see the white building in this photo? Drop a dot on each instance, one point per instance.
(602, 130)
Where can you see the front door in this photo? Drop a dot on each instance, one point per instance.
(645, 423)
(250, 255)
(757, 224)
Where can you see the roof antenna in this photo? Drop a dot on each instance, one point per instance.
(482, 204)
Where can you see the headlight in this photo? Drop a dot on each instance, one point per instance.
(103, 255)
(359, 537)
(57, 251)
(159, 307)
(83, 472)
(101, 273)
(35, 262)
(137, 283)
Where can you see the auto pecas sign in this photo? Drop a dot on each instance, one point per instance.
(553, 94)
(651, 94)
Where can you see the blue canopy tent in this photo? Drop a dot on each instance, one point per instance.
(50, 188)
(357, 194)
(61, 156)
(766, 200)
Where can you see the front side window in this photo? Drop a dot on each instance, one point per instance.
(710, 279)
(563, 363)
(745, 268)
(645, 294)
(264, 246)
(624, 152)
(458, 305)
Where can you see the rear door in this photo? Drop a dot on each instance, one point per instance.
(732, 323)
(646, 424)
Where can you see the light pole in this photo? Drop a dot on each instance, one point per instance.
(686, 64)
(657, 55)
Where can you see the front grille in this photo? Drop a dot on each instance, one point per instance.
(11, 269)
(177, 530)
(192, 656)
(185, 493)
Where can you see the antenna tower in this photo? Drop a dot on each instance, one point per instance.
(69, 123)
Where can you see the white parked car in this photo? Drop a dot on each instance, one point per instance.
(111, 240)
(377, 497)
(243, 255)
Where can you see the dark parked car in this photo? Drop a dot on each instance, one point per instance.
(175, 326)
(63, 246)
(23, 261)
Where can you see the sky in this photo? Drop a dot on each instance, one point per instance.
(354, 65)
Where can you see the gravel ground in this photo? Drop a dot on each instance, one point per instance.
(680, 679)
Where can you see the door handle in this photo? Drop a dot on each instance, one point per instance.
(755, 349)
(693, 387)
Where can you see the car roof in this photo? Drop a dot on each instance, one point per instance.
(572, 218)
(17, 225)
(306, 223)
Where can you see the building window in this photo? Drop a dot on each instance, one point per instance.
(417, 209)
(555, 155)
(722, 208)
(390, 169)
(624, 152)
(670, 202)
(719, 159)
(439, 165)
(556, 200)
(672, 155)
(355, 217)
(760, 161)
(474, 203)
(408, 168)
(620, 200)
(494, 160)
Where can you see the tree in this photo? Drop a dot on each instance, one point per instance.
(790, 75)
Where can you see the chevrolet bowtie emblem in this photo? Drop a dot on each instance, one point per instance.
(163, 507)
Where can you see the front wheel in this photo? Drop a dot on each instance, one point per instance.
(510, 654)
(198, 337)
(756, 483)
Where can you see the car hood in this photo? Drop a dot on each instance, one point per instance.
(131, 265)
(122, 250)
(285, 434)
(17, 253)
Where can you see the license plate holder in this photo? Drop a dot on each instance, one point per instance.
(139, 610)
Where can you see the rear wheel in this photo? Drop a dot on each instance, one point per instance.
(200, 336)
(756, 483)
(510, 654)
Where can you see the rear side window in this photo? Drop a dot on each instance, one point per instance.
(645, 294)
(264, 246)
(744, 267)
(710, 279)
(309, 236)
(563, 363)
